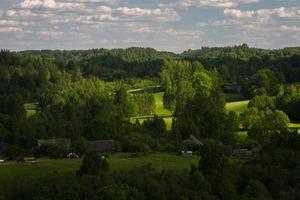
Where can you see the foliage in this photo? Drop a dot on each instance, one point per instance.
(93, 164)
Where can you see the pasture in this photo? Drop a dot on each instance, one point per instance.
(159, 161)
(237, 106)
(31, 109)
(160, 110)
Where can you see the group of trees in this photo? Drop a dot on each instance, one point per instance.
(194, 94)
(75, 103)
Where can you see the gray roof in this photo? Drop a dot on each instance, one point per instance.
(195, 140)
(54, 141)
(102, 146)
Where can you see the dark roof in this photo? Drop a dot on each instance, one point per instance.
(102, 146)
(195, 141)
(232, 88)
(54, 141)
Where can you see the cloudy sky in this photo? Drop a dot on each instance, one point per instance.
(173, 25)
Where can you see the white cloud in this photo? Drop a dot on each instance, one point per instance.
(285, 28)
(49, 34)
(291, 12)
(5, 22)
(104, 10)
(112, 2)
(50, 4)
(26, 13)
(161, 14)
(208, 3)
(10, 29)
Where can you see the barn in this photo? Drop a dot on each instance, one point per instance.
(54, 141)
(102, 146)
(232, 89)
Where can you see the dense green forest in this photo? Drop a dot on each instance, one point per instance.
(88, 95)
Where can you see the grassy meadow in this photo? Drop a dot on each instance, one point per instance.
(159, 161)
(237, 106)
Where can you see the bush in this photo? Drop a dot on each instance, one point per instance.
(93, 164)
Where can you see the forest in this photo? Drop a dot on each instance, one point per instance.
(102, 94)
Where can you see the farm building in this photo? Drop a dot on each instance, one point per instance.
(103, 146)
(240, 152)
(192, 143)
(54, 141)
(233, 89)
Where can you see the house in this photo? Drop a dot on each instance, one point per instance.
(54, 141)
(227, 150)
(102, 146)
(72, 156)
(240, 152)
(29, 159)
(192, 143)
(233, 89)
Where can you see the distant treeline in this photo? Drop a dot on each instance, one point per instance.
(234, 64)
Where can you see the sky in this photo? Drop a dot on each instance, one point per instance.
(171, 25)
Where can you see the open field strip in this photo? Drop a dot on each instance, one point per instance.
(159, 161)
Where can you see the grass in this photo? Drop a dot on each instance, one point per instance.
(238, 106)
(159, 161)
(242, 134)
(159, 109)
(294, 125)
(31, 109)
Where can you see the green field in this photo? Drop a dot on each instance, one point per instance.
(238, 106)
(294, 125)
(117, 161)
(31, 109)
(159, 110)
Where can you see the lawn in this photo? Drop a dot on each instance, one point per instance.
(237, 106)
(31, 109)
(117, 161)
(159, 110)
(294, 125)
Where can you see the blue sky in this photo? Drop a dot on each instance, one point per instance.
(172, 25)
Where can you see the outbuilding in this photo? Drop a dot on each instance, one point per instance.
(102, 146)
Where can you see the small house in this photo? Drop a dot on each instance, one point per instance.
(29, 159)
(54, 141)
(240, 152)
(102, 146)
(232, 89)
(192, 143)
(72, 156)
